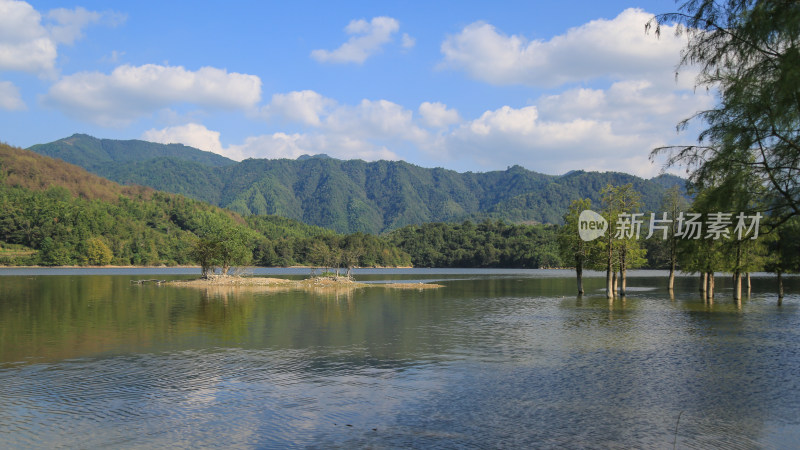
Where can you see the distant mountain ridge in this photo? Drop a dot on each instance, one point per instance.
(89, 152)
(346, 196)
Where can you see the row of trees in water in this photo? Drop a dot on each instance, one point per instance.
(707, 236)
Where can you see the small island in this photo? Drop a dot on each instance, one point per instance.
(313, 283)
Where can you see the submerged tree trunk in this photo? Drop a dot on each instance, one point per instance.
(749, 285)
(703, 283)
(737, 274)
(610, 275)
(671, 284)
(579, 276)
(622, 270)
(780, 286)
(615, 285)
(710, 288)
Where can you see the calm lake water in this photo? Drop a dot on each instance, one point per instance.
(494, 359)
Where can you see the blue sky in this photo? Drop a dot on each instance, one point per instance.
(470, 86)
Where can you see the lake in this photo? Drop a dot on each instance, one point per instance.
(496, 358)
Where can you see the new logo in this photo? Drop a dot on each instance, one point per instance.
(591, 225)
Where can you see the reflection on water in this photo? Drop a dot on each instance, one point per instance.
(493, 359)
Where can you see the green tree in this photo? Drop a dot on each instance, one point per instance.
(621, 244)
(748, 52)
(205, 252)
(573, 249)
(235, 249)
(673, 204)
(784, 252)
(223, 243)
(97, 252)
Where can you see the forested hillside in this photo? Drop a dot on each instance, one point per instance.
(486, 244)
(347, 196)
(54, 213)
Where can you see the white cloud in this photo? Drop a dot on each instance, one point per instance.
(10, 98)
(300, 106)
(25, 44)
(367, 39)
(191, 134)
(507, 136)
(609, 49)
(632, 105)
(68, 25)
(593, 129)
(407, 41)
(282, 145)
(29, 42)
(130, 92)
(437, 115)
(276, 145)
(369, 119)
(375, 119)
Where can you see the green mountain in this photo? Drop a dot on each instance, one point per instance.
(92, 153)
(347, 196)
(54, 213)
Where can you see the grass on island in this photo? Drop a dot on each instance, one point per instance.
(313, 283)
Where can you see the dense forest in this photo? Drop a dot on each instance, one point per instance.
(58, 214)
(346, 196)
(487, 244)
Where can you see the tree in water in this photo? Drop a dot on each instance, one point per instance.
(783, 254)
(623, 249)
(572, 247)
(664, 229)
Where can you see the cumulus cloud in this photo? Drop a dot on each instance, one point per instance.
(130, 92)
(29, 42)
(594, 129)
(375, 119)
(283, 145)
(367, 39)
(437, 115)
(518, 136)
(10, 98)
(272, 146)
(634, 106)
(617, 48)
(300, 106)
(25, 44)
(380, 119)
(367, 130)
(191, 134)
